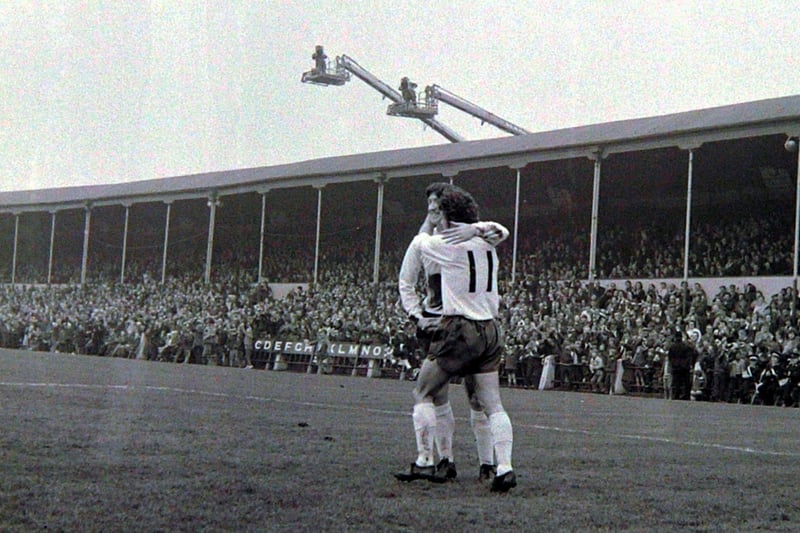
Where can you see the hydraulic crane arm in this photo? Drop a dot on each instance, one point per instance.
(443, 130)
(351, 66)
(323, 75)
(436, 93)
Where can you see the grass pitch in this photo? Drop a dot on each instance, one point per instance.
(95, 444)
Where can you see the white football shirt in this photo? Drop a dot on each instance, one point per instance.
(409, 273)
(469, 276)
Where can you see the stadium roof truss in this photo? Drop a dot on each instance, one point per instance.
(683, 130)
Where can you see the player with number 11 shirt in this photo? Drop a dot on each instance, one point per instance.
(468, 341)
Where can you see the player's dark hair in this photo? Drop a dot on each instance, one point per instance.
(457, 205)
(436, 188)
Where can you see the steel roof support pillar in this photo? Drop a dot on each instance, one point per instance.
(316, 239)
(261, 235)
(796, 233)
(14, 253)
(166, 242)
(688, 217)
(52, 241)
(124, 245)
(378, 228)
(516, 227)
(87, 223)
(596, 156)
(213, 202)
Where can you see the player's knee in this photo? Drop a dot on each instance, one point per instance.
(420, 395)
(441, 398)
(475, 403)
(415, 394)
(493, 408)
(490, 402)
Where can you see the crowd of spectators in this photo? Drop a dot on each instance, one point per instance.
(186, 320)
(551, 311)
(644, 249)
(629, 246)
(739, 336)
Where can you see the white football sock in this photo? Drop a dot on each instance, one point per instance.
(445, 427)
(425, 428)
(483, 436)
(503, 440)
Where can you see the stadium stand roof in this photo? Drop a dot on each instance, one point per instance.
(686, 129)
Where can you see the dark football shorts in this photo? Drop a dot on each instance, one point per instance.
(424, 336)
(462, 346)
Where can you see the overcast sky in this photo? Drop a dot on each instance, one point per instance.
(102, 92)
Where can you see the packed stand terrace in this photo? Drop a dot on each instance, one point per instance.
(549, 311)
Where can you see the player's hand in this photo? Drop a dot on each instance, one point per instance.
(428, 323)
(458, 232)
(493, 236)
(434, 217)
(430, 223)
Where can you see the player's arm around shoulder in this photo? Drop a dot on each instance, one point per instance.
(491, 232)
(436, 248)
(431, 245)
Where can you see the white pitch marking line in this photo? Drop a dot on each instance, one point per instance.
(628, 436)
(665, 440)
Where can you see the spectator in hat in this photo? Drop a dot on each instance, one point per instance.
(682, 356)
(767, 385)
(749, 376)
